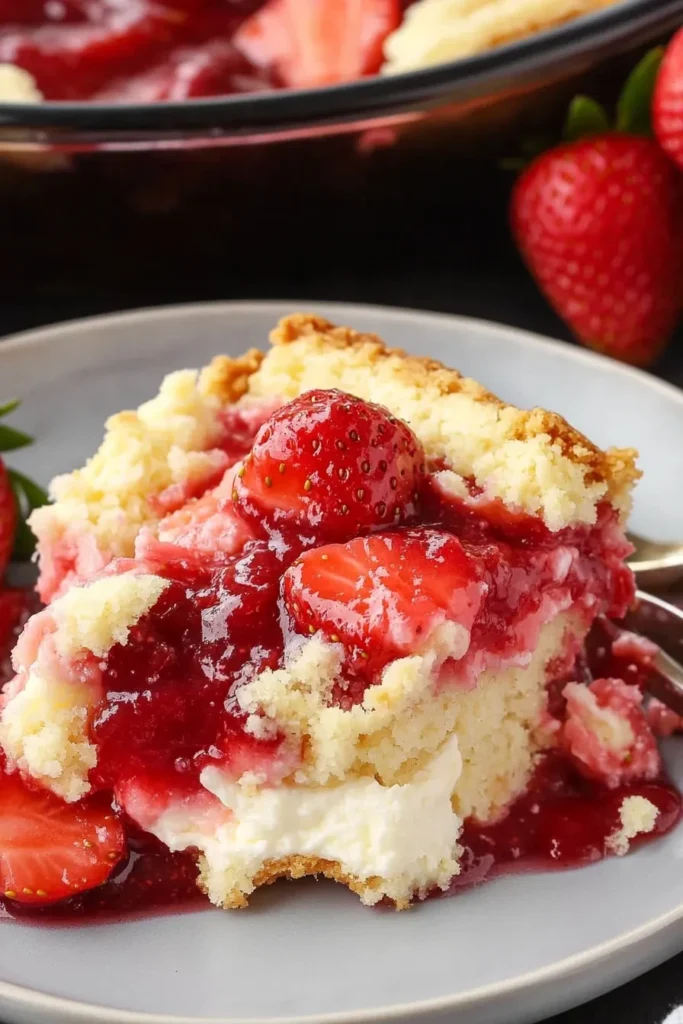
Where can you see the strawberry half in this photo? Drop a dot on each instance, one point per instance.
(383, 596)
(49, 849)
(331, 466)
(312, 43)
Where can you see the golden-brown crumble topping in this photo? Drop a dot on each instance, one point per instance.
(615, 466)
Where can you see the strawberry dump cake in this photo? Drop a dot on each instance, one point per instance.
(325, 611)
(142, 51)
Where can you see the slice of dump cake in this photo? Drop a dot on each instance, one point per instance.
(323, 611)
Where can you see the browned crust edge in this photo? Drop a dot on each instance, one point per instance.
(228, 379)
(300, 866)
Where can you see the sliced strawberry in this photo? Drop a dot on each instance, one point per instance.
(332, 466)
(50, 850)
(607, 734)
(383, 596)
(311, 43)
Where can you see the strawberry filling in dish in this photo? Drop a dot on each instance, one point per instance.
(352, 655)
(146, 51)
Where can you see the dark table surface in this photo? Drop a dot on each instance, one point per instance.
(450, 257)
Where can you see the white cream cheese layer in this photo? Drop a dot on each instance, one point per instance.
(404, 835)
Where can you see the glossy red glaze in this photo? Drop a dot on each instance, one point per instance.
(169, 704)
(167, 708)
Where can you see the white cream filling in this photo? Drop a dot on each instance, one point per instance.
(405, 835)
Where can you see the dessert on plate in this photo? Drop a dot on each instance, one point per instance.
(324, 611)
(142, 51)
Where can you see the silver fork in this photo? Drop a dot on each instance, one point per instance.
(656, 564)
(661, 623)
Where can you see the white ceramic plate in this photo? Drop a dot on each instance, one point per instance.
(514, 951)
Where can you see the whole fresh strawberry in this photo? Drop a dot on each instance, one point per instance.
(598, 222)
(667, 102)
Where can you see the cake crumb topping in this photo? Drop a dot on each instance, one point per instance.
(637, 816)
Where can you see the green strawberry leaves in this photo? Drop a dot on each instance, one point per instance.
(27, 494)
(635, 102)
(9, 407)
(587, 117)
(11, 439)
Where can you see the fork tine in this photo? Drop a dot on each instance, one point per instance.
(662, 623)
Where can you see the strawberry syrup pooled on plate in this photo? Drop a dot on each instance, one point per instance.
(562, 821)
(342, 533)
